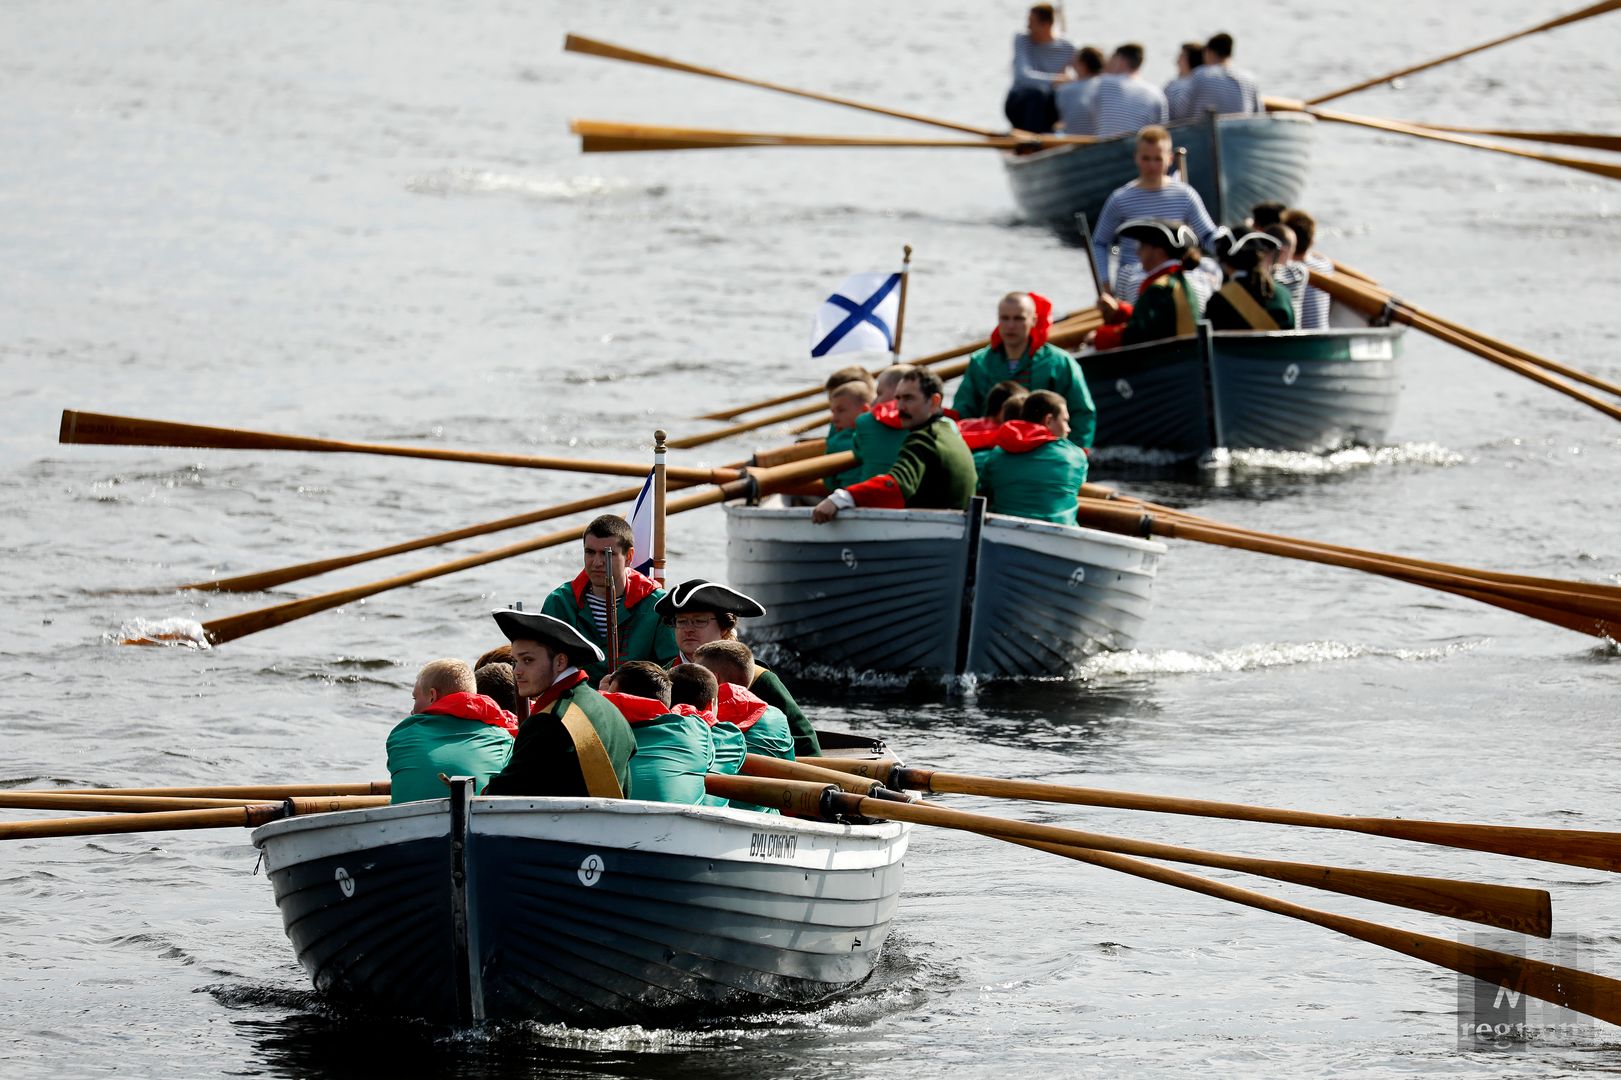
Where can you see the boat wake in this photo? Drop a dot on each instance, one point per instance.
(451, 182)
(1222, 464)
(1105, 666)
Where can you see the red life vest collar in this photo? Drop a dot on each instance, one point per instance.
(637, 587)
(888, 413)
(560, 686)
(736, 705)
(1038, 332)
(1021, 436)
(464, 705)
(979, 432)
(638, 710)
(692, 710)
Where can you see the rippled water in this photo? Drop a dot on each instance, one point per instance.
(367, 221)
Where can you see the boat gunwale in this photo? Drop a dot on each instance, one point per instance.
(1014, 160)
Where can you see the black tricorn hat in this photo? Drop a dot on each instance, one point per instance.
(1254, 243)
(555, 633)
(1171, 236)
(696, 594)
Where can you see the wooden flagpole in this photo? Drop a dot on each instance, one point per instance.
(658, 507)
(611, 557)
(900, 315)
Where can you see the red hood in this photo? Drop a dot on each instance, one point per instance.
(1021, 436)
(690, 710)
(887, 413)
(466, 706)
(1038, 332)
(638, 710)
(980, 432)
(735, 705)
(637, 587)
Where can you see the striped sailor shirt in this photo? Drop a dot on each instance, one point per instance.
(1174, 202)
(1222, 88)
(1291, 278)
(1125, 105)
(1179, 97)
(1077, 106)
(1313, 307)
(1035, 65)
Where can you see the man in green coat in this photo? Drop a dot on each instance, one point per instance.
(583, 604)
(1019, 351)
(573, 742)
(764, 726)
(933, 471)
(1034, 471)
(674, 750)
(452, 729)
(879, 432)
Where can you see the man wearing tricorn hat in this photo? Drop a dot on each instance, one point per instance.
(583, 602)
(704, 611)
(1251, 299)
(1167, 306)
(573, 742)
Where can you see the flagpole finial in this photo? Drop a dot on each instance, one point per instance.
(658, 440)
(906, 253)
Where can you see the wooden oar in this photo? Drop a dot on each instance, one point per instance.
(589, 46)
(1575, 610)
(761, 481)
(1594, 995)
(100, 429)
(1527, 911)
(1372, 301)
(1571, 847)
(241, 792)
(1563, 20)
(1361, 294)
(1068, 332)
(612, 137)
(1585, 139)
(250, 816)
(126, 804)
(1396, 127)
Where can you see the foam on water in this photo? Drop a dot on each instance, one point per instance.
(173, 631)
(542, 188)
(1255, 657)
(1349, 459)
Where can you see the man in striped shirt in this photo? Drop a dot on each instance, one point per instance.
(1314, 302)
(1219, 87)
(1152, 195)
(1179, 91)
(1077, 99)
(1040, 63)
(1124, 103)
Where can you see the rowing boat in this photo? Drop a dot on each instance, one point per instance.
(1234, 162)
(588, 912)
(950, 592)
(1308, 390)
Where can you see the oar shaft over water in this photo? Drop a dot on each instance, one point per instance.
(250, 816)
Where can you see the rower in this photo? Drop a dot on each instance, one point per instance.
(934, 469)
(572, 742)
(452, 729)
(1168, 305)
(847, 401)
(583, 604)
(673, 746)
(1219, 87)
(1313, 308)
(1125, 102)
(1034, 471)
(1019, 351)
(1076, 99)
(1251, 300)
(979, 432)
(879, 431)
(1152, 195)
(1039, 63)
(1179, 91)
(704, 611)
(495, 681)
(764, 727)
(695, 686)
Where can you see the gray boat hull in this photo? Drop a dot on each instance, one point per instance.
(581, 911)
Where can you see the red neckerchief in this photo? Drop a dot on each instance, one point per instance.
(1038, 332)
(887, 413)
(1160, 271)
(638, 710)
(464, 705)
(637, 587)
(736, 705)
(1021, 436)
(980, 432)
(557, 689)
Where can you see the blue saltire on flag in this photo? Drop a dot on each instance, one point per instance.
(859, 316)
(641, 528)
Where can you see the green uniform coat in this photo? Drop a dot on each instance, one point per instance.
(933, 471)
(1033, 476)
(424, 745)
(768, 687)
(1048, 368)
(543, 758)
(1153, 316)
(1223, 316)
(642, 634)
